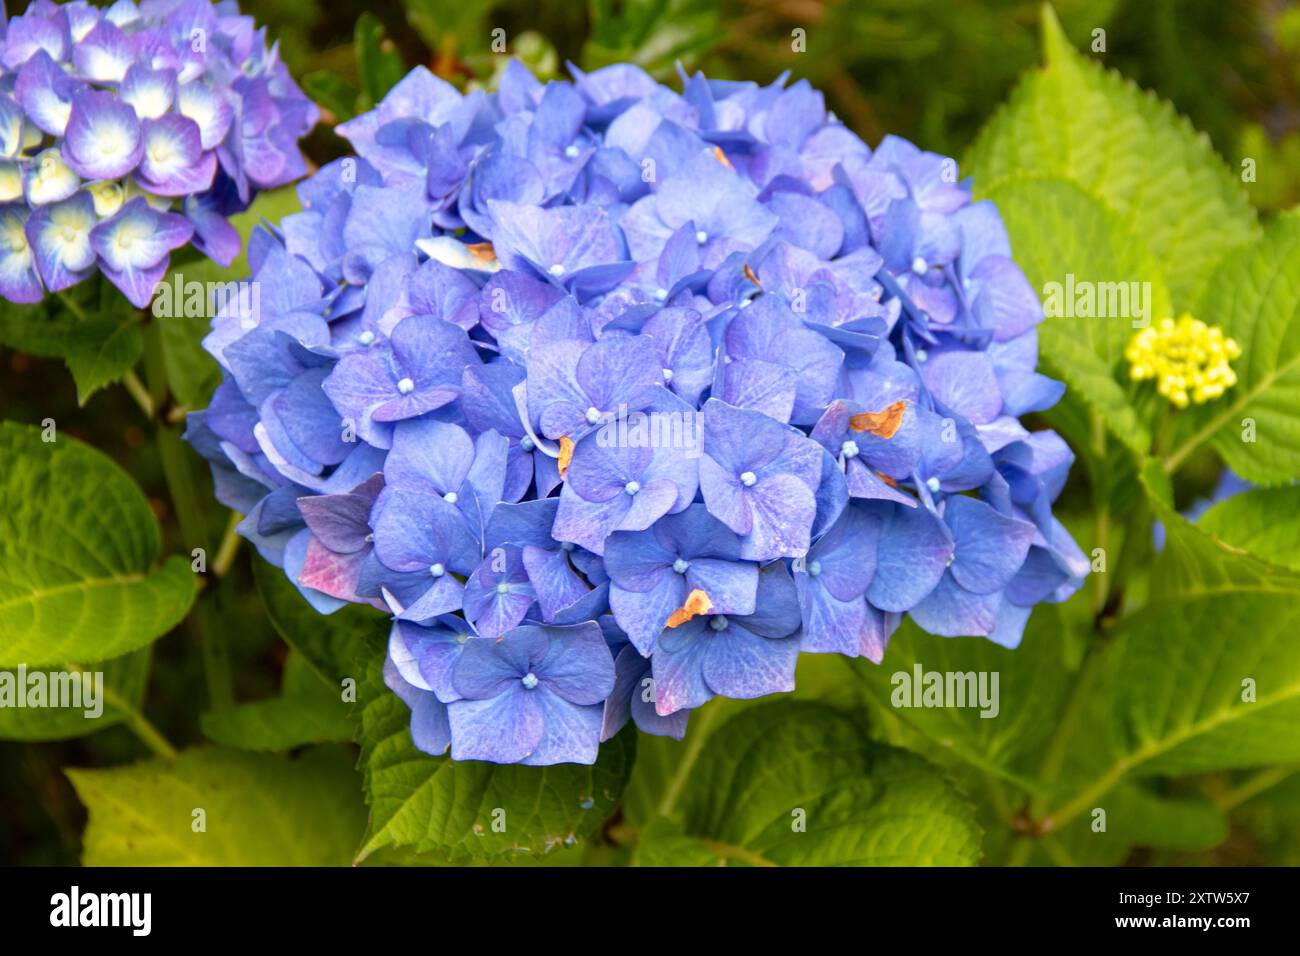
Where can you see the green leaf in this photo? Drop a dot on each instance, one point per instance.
(472, 809)
(790, 783)
(1195, 564)
(280, 723)
(1205, 677)
(1075, 120)
(654, 34)
(102, 349)
(1173, 699)
(1271, 820)
(125, 677)
(258, 810)
(329, 90)
(338, 646)
(1136, 816)
(192, 374)
(1255, 298)
(1032, 682)
(98, 348)
(40, 329)
(1263, 521)
(1058, 231)
(309, 710)
(78, 549)
(379, 65)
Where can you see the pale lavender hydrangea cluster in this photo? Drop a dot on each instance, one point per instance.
(129, 131)
(618, 398)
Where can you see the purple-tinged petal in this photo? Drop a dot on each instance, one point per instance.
(46, 92)
(208, 109)
(59, 235)
(174, 163)
(18, 279)
(103, 139)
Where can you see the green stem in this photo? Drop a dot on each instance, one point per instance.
(135, 388)
(1058, 744)
(729, 851)
(698, 734)
(1101, 515)
(1020, 851)
(175, 462)
(1253, 786)
(178, 471)
(71, 305)
(1060, 856)
(133, 718)
(155, 365)
(204, 625)
(228, 548)
(181, 485)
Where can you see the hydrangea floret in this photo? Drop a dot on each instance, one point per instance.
(618, 398)
(129, 131)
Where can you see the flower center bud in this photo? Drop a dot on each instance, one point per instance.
(718, 622)
(529, 680)
(668, 375)
(406, 386)
(632, 487)
(919, 266)
(932, 483)
(814, 568)
(503, 588)
(527, 444)
(451, 497)
(748, 478)
(593, 415)
(571, 151)
(922, 355)
(556, 270)
(701, 237)
(366, 338)
(849, 449)
(437, 570)
(661, 294)
(681, 565)
(566, 545)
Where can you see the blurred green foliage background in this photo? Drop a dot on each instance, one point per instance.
(930, 70)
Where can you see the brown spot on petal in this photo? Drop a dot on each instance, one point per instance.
(482, 251)
(566, 454)
(697, 602)
(886, 479)
(749, 274)
(882, 424)
(721, 157)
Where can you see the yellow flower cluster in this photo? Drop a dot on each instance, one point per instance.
(1188, 360)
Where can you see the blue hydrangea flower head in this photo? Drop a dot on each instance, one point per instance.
(129, 131)
(618, 397)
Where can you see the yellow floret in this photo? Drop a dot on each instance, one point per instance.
(1187, 359)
